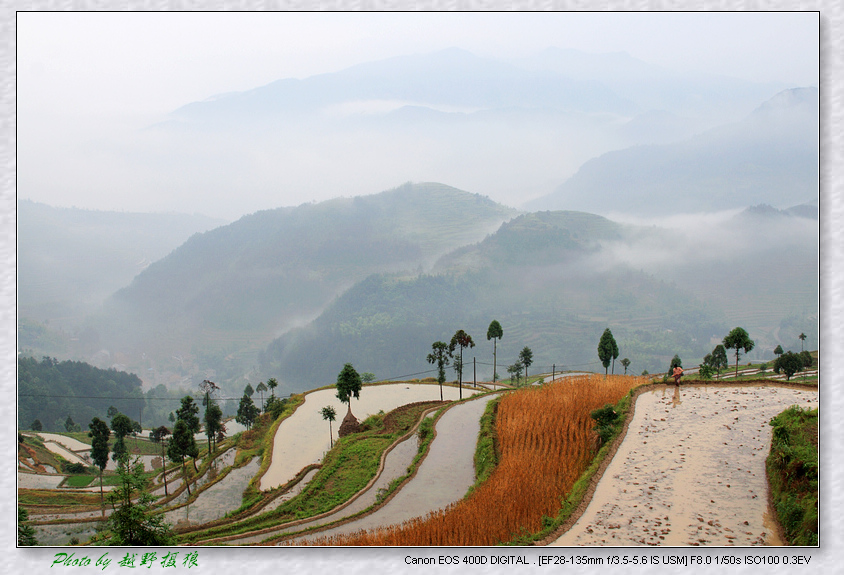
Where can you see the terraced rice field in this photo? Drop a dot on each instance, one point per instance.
(302, 439)
(690, 471)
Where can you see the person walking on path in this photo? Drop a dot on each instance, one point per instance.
(678, 373)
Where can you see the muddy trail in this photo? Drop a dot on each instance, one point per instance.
(690, 470)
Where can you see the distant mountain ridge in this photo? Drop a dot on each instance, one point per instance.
(769, 157)
(513, 130)
(539, 275)
(225, 293)
(463, 82)
(537, 238)
(807, 211)
(292, 293)
(70, 260)
(555, 281)
(653, 88)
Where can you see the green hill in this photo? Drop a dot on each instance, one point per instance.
(226, 293)
(69, 260)
(51, 390)
(539, 276)
(539, 238)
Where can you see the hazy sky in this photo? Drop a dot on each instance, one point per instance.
(82, 75)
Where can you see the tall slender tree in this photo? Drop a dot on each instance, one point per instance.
(213, 425)
(272, 384)
(247, 413)
(802, 338)
(607, 350)
(261, 388)
(461, 340)
(99, 435)
(209, 388)
(189, 413)
(738, 339)
(159, 435)
(526, 359)
(494, 333)
(329, 414)
(719, 359)
(121, 425)
(439, 356)
(181, 447)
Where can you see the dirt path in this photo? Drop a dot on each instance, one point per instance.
(690, 471)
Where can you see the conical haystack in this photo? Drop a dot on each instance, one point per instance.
(350, 424)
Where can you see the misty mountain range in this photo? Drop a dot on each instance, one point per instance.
(70, 260)
(295, 292)
(513, 131)
(291, 292)
(771, 156)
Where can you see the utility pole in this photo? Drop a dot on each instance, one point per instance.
(553, 372)
(474, 372)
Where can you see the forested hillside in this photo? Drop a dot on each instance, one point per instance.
(51, 390)
(541, 276)
(222, 296)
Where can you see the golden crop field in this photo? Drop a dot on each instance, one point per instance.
(545, 439)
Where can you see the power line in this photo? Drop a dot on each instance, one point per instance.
(407, 375)
(110, 397)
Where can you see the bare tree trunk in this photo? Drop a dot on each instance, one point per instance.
(185, 478)
(102, 497)
(164, 470)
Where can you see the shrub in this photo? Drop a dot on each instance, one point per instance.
(426, 428)
(807, 359)
(77, 468)
(606, 419)
(275, 406)
(792, 467)
(373, 422)
(789, 363)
